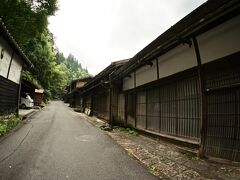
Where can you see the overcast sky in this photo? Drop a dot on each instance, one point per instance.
(98, 32)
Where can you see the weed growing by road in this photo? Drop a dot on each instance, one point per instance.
(152, 168)
(129, 131)
(8, 122)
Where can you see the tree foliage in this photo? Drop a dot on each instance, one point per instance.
(72, 65)
(27, 21)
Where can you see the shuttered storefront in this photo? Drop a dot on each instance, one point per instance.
(153, 110)
(87, 104)
(100, 103)
(172, 108)
(131, 108)
(180, 108)
(223, 109)
(141, 110)
(121, 109)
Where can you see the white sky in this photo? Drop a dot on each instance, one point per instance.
(98, 32)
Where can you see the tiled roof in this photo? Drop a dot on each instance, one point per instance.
(6, 34)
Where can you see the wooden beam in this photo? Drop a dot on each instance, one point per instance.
(9, 67)
(157, 68)
(203, 99)
(19, 91)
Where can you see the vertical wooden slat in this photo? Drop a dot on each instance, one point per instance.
(222, 138)
(19, 90)
(8, 96)
(141, 110)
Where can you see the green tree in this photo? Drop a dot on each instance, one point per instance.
(75, 70)
(27, 21)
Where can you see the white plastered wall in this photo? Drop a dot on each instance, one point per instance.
(146, 74)
(5, 61)
(128, 82)
(176, 60)
(15, 69)
(220, 41)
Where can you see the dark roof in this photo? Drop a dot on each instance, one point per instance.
(108, 70)
(82, 79)
(192, 24)
(4, 32)
(104, 74)
(28, 86)
(85, 79)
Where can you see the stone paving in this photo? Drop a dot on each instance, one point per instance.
(165, 160)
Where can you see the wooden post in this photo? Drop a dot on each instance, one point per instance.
(19, 91)
(125, 108)
(110, 101)
(91, 104)
(202, 99)
(135, 100)
(110, 105)
(10, 65)
(146, 108)
(157, 68)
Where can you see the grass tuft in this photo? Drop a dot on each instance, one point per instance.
(8, 122)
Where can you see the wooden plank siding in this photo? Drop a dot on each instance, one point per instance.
(223, 108)
(100, 105)
(169, 107)
(8, 96)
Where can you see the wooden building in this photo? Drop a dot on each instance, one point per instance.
(97, 93)
(185, 85)
(38, 97)
(12, 60)
(74, 92)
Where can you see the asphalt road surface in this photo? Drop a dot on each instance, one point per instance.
(56, 143)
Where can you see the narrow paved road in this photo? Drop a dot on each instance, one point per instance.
(57, 144)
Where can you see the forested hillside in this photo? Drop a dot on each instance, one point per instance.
(27, 21)
(74, 68)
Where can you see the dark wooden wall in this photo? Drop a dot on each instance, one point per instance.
(171, 108)
(100, 104)
(8, 96)
(223, 108)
